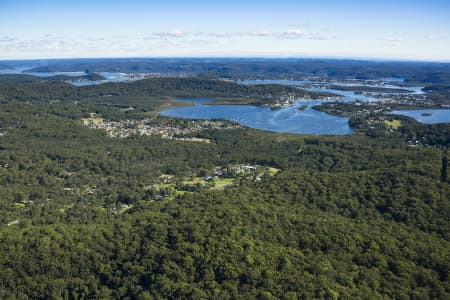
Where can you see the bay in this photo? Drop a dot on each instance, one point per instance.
(289, 119)
(426, 116)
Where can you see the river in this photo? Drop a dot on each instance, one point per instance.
(289, 119)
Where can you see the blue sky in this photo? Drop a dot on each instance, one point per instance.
(411, 30)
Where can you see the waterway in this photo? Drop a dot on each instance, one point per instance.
(109, 76)
(426, 116)
(288, 119)
(291, 119)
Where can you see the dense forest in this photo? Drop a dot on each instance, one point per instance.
(25, 78)
(364, 216)
(137, 93)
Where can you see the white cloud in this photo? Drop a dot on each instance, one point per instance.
(300, 25)
(7, 39)
(263, 33)
(49, 45)
(220, 34)
(391, 40)
(288, 34)
(95, 39)
(301, 34)
(434, 37)
(170, 34)
(294, 33)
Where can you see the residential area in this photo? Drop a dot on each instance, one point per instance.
(170, 130)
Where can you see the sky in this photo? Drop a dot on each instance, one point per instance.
(382, 29)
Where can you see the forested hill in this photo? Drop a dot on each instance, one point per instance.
(35, 89)
(84, 215)
(25, 78)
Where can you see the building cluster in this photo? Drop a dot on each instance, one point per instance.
(387, 102)
(420, 100)
(184, 131)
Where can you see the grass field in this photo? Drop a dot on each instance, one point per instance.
(220, 184)
(394, 124)
(273, 171)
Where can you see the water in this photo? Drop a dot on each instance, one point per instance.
(426, 116)
(278, 81)
(22, 70)
(414, 89)
(347, 96)
(17, 70)
(109, 76)
(49, 74)
(393, 79)
(310, 85)
(289, 119)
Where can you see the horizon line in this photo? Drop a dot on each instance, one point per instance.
(280, 57)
